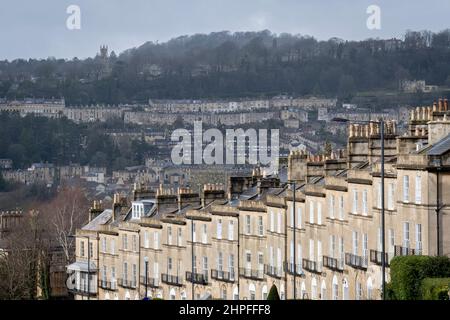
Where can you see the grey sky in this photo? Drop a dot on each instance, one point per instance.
(37, 29)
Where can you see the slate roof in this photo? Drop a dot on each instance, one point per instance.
(440, 147)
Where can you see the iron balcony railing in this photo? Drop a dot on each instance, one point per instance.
(151, 282)
(333, 263)
(290, 268)
(222, 275)
(199, 278)
(405, 251)
(108, 285)
(273, 271)
(251, 274)
(171, 279)
(312, 266)
(357, 262)
(125, 283)
(82, 289)
(375, 257)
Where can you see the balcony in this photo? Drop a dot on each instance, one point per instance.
(375, 257)
(172, 280)
(406, 251)
(273, 272)
(333, 264)
(151, 282)
(312, 266)
(83, 290)
(292, 268)
(198, 278)
(251, 274)
(356, 262)
(125, 283)
(224, 276)
(108, 285)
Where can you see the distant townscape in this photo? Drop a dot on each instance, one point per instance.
(94, 206)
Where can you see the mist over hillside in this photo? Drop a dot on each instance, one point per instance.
(231, 65)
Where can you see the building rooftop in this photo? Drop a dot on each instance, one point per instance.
(441, 147)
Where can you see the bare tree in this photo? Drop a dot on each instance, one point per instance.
(65, 213)
(24, 254)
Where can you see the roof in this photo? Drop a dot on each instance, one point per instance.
(101, 219)
(82, 266)
(440, 147)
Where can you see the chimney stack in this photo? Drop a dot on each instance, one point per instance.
(95, 210)
(212, 192)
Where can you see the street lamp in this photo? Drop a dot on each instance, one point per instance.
(380, 123)
(293, 187)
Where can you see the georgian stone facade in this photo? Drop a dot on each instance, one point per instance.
(236, 243)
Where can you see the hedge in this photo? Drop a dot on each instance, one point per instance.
(407, 273)
(435, 288)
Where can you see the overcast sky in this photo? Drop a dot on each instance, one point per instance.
(37, 28)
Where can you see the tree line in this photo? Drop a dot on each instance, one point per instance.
(224, 64)
(32, 139)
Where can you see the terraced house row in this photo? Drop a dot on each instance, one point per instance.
(322, 241)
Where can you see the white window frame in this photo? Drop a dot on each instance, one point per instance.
(272, 221)
(205, 234)
(311, 212)
(406, 188)
(156, 240)
(365, 207)
(319, 213)
(260, 226)
(355, 201)
(341, 207)
(331, 206)
(219, 228)
(355, 242)
(418, 196)
(299, 218)
(419, 244)
(391, 195)
(248, 224)
(146, 240)
(279, 222)
(231, 230)
(406, 235)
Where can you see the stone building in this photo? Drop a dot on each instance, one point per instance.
(319, 239)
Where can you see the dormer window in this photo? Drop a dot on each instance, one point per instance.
(137, 210)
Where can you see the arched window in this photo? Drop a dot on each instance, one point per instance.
(314, 289)
(252, 291)
(235, 293)
(323, 291)
(303, 294)
(335, 288)
(369, 289)
(107, 296)
(264, 292)
(345, 290)
(183, 295)
(172, 294)
(223, 293)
